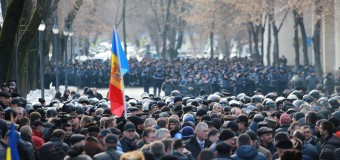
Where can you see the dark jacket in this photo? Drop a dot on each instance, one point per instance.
(55, 149)
(193, 146)
(109, 154)
(270, 147)
(26, 148)
(248, 152)
(332, 142)
(309, 150)
(128, 145)
(223, 157)
(180, 156)
(282, 128)
(92, 147)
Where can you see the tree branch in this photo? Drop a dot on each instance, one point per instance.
(283, 19)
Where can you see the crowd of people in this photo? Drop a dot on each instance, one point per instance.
(190, 76)
(295, 121)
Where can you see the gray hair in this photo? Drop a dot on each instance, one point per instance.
(201, 126)
(149, 122)
(161, 133)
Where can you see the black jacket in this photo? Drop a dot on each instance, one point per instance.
(128, 145)
(55, 149)
(26, 148)
(332, 142)
(193, 146)
(180, 156)
(109, 154)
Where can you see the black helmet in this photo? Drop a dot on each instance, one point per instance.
(103, 105)
(271, 95)
(68, 108)
(323, 102)
(256, 99)
(334, 102)
(315, 94)
(79, 109)
(224, 102)
(307, 98)
(246, 99)
(270, 104)
(213, 98)
(175, 93)
(37, 105)
(297, 93)
(83, 99)
(94, 101)
(51, 112)
(297, 103)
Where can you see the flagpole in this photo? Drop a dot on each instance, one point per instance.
(121, 73)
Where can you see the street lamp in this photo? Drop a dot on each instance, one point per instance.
(41, 50)
(55, 31)
(65, 56)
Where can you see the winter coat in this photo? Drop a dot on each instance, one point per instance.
(109, 154)
(193, 146)
(37, 139)
(248, 152)
(309, 150)
(265, 152)
(180, 156)
(167, 87)
(332, 142)
(282, 128)
(26, 145)
(79, 157)
(93, 147)
(55, 149)
(128, 145)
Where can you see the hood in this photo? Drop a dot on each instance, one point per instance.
(247, 152)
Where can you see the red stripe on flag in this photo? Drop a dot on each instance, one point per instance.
(117, 102)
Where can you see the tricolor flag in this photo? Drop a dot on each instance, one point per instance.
(119, 66)
(12, 149)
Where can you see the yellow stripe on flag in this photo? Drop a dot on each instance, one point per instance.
(8, 154)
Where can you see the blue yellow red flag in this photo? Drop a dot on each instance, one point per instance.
(12, 149)
(119, 67)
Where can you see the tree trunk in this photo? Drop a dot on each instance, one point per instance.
(269, 43)
(227, 47)
(166, 28)
(316, 40)
(181, 27)
(51, 7)
(68, 23)
(250, 40)
(30, 32)
(262, 28)
(211, 44)
(124, 27)
(304, 40)
(9, 30)
(276, 45)
(296, 39)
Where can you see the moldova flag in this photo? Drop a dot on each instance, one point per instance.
(119, 66)
(12, 149)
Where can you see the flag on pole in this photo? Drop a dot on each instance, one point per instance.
(119, 67)
(12, 149)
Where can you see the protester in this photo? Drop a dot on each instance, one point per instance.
(212, 109)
